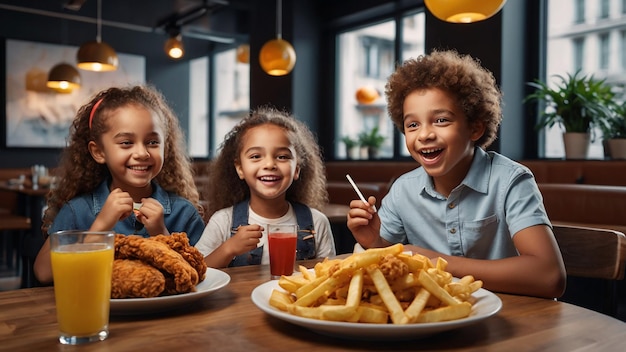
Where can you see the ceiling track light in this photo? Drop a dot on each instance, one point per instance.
(174, 44)
(97, 55)
(63, 78)
(277, 56)
(463, 11)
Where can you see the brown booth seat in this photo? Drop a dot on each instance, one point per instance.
(588, 205)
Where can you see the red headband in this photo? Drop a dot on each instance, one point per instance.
(93, 111)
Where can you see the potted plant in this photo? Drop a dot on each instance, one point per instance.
(351, 147)
(371, 140)
(614, 132)
(577, 103)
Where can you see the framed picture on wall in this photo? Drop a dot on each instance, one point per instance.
(39, 117)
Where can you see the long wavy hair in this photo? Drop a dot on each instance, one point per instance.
(225, 188)
(473, 86)
(79, 173)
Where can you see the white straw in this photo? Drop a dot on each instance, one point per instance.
(358, 192)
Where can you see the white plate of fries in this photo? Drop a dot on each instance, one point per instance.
(358, 301)
(214, 280)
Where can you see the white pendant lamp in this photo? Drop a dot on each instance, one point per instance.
(277, 56)
(464, 11)
(97, 55)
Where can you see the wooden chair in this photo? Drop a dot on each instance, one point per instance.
(594, 253)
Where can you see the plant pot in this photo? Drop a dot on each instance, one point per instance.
(372, 153)
(576, 145)
(353, 153)
(617, 147)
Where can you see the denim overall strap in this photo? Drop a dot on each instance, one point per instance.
(240, 218)
(306, 230)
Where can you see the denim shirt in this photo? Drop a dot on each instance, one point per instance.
(179, 214)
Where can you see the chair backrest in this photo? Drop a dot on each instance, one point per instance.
(592, 252)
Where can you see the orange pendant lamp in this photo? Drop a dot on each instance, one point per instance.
(464, 11)
(277, 56)
(63, 78)
(97, 55)
(243, 53)
(367, 95)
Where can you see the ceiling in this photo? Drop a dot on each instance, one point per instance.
(197, 18)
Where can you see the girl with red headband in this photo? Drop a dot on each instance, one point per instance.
(125, 169)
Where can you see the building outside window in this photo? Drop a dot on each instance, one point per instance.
(366, 57)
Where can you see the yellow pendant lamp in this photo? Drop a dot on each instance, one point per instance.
(64, 78)
(277, 56)
(97, 55)
(463, 11)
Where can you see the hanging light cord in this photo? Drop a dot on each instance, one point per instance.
(279, 19)
(99, 22)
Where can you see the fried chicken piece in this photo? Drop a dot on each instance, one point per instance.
(179, 242)
(161, 256)
(133, 278)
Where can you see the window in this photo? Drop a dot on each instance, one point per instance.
(579, 15)
(572, 47)
(604, 8)
(623, 49)
(198, 143)
(231, 95)
(579, 8)
(604, 51)
(579, 53)
(366, 58)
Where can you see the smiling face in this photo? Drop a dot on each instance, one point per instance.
(268, 163)
(132, 149)
(439, 137)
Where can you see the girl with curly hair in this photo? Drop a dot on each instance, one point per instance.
(480, 211)
(125, 169)
(269, 171)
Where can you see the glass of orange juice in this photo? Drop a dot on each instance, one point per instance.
(82, 262)
(282, 241)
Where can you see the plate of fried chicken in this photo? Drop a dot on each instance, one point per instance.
(159, 273)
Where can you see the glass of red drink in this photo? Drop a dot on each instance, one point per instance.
(282, 241)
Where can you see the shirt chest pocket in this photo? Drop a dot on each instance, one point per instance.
(478, 236)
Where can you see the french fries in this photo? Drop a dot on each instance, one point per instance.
(380, 286)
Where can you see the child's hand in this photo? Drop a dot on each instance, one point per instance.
(118, 206)
(246, 239)
(364, 223)
(150, 214)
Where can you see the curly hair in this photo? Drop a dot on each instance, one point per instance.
(473, 86)
(226, 189)
(79, 173)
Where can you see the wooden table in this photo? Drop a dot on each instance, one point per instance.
(228, 321)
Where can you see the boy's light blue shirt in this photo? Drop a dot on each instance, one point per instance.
(178, 213)
(497, 198)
